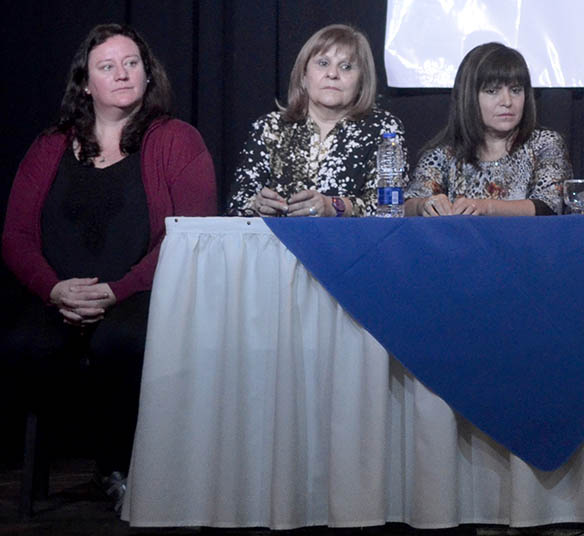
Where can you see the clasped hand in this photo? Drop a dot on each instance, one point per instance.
(305, 203)
(82, 300)
(440, 205)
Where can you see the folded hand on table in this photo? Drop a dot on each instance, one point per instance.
(269, 203)
(310, 203)
(470, 207)
(305, 203)
(440, 205)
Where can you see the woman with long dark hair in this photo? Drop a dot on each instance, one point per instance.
(491, 159)
(84, 224)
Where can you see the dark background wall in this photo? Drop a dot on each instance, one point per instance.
(228, 61)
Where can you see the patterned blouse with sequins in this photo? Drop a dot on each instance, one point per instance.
(535, 171)
(289, 157)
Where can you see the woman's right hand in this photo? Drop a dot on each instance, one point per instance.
(269, 203)
(82, 300)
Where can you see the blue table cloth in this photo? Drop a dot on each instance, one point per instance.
(487, 312)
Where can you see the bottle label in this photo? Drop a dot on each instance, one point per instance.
(390, 195)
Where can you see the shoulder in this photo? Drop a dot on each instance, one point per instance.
(269, 129)
(49, 142)
(367, 130)
(171, 128)
(544, 136)
(173, 135)
(434, 162)
(274, 121)
(439, 156)
(46, 148)
(546, 142)
(381, 120)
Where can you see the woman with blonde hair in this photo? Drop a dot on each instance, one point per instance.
(316, 156)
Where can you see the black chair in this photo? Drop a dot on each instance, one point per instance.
(35, 466)
(37, 445)
(32, 394)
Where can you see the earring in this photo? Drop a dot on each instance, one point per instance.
(147, 80)
(87, 91)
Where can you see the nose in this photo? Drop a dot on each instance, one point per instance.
(333, 71)
(121, 73)
(505, 96)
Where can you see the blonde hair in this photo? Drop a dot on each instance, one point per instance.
(335, 35)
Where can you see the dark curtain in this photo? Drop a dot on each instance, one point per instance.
(228, 61)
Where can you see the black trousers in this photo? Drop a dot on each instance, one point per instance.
(38, 351)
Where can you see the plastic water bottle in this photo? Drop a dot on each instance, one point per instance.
(390, 171)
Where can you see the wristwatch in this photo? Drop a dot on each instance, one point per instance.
(339, 206)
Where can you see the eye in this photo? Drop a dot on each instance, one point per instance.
(490, 90)
(346, 66)
(321, 62)
(106, 67)
(517, 90)
(132, 63)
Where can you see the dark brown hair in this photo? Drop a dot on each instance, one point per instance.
(77, 116)
(484, 66)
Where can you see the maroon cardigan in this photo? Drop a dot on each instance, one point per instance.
(178, 177)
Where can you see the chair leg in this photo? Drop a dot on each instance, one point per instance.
(28, 466)
(42, 462)
(35, 467)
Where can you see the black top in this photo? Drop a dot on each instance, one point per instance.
(95, 221)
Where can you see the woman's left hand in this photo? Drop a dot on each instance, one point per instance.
(470, 207)
(310, 203)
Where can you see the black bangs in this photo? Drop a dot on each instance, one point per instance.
(503, 66)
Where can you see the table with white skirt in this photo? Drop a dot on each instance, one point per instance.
(264, 403)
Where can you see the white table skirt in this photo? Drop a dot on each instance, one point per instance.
(264, 404)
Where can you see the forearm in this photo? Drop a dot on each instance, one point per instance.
(28, 264)
(499, 207)
(138, 279)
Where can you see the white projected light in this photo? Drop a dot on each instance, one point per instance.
(425, 40)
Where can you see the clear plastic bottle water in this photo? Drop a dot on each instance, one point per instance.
(390, 172)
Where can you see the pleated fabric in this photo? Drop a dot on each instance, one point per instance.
(264, 403)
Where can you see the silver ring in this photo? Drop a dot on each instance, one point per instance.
(312, 211)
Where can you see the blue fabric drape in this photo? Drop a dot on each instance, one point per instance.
(487, 312)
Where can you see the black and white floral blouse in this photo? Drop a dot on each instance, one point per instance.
(288, 157)
(535, 171)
